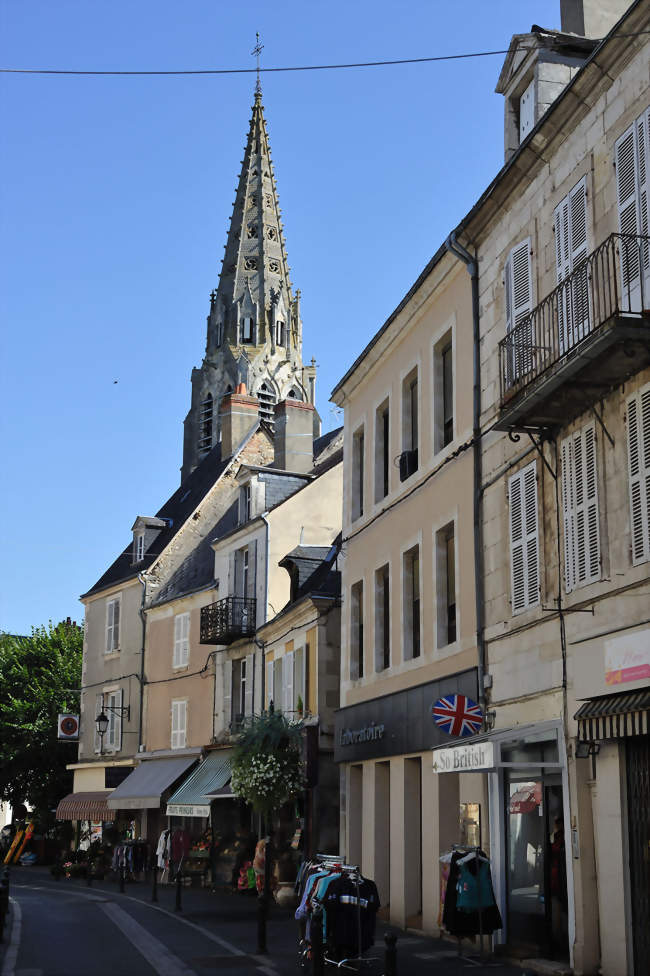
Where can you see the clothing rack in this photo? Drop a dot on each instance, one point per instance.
(353, 872)
(477, 853)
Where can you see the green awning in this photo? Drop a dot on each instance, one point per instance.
(205, 783)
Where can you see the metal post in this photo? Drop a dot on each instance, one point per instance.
(317, 948)
(390, 956)
(178, 907)
(154, 887)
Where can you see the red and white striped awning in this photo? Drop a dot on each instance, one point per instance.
(85, 806)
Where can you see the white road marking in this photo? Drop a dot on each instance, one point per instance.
(9, 965)
(154, 951)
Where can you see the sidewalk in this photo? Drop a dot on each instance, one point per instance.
(233, 918)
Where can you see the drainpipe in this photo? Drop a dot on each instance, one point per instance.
(143, 617)
(471, 264)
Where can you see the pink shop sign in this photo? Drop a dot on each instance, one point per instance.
(627, 658)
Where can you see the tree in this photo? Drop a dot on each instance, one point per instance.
(38, 678)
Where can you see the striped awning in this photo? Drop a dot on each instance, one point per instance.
(85, 806)
(614, 716)
(202, 786)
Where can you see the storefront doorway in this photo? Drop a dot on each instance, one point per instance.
(536, 884)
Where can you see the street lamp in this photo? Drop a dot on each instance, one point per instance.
(102, 721)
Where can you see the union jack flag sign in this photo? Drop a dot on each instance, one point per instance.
(457, 715)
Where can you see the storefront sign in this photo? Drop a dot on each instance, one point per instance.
(464, 759)
(627, 658)
(399, 723)
(187, 810)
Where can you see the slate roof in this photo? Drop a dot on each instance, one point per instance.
(175, 511)
(312, 571)
(324, 440)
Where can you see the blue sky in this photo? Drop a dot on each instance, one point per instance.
(116, 198)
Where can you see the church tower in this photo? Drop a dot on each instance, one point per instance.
(254, 326)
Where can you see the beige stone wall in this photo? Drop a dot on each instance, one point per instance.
(439, 493)
(166, 683)
(101, 671)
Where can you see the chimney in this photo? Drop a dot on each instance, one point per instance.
(294, 435)
(239, 414)
(591, 18)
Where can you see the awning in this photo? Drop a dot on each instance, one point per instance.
(143, 788)
(204, 784)
(614, 716)
(85, 806)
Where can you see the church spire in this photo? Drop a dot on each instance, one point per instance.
(254, 326)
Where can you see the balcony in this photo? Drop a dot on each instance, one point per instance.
(227, 620)
(586, 337)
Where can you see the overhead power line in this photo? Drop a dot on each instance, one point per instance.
(248, 71)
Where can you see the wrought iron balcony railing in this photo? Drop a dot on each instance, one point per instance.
(227, 620)
(613, 281)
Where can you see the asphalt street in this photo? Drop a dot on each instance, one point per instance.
(65, 928)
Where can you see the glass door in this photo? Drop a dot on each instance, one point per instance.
(525, 880)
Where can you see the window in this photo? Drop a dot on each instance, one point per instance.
(527, 111)
(382, 618)
(358, 450)
(580, 509)
(245, 503)
(570, 228)
(356, 631)
(247, 330)
(242, 686)
(411, 597)
(524, 556)
(278, 683)
(519, 305)
(113, 626)
(268, 691)
(112, 707)
(242, 676)
(181, 640)
(300, 669)
(632, 159)
(244, 572)
(288, 702)
(638, 445)
(279, 333)
(446, 629)
(179, 723)
(409, 457)
(205, 425)
(382, 451)
(443, 393)
(139, 547)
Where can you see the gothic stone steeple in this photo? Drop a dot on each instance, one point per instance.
(254, 326)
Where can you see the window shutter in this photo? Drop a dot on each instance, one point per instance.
(186, 638)
(179, 724)
(524, 559)
(568, 509)
(299, 676)
(578, 252)
(250, 684)
(288, 681)
(627, 186)
(587, 527)
(519, 304)
(232, 574)
(117, 726)
(562, 266)
(278, 684)
(252, 569)
(227, 693)
(99, 701)
(174, 735)
(638, 440)
(177, 641)
(643, 142)
(269, 683)
(305, 680)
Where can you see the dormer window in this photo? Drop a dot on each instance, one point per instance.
(247, 330)
(527, 111)
(138, 555)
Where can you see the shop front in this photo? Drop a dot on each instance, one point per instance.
(397, 816)
(531, 862)
(209, 835)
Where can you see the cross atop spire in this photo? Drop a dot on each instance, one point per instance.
(257, 50)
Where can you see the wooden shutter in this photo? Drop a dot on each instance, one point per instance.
(252, 569)
(519, 304)
(99, 703)
(278, 684)
(116, 723)
(627, 187)
(638, 441)
(299, 676)
(580, 508)
(112, 626)
(288, 681)
(179, 724)
(643, 145)
(269, 683)
(524, 557)
(250, 684)
(177, 640)
(578, 250)
(227, 693)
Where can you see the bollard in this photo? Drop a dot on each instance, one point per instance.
(317, 948)
(154, 887)
(178, 907)
(390, 956)
(122, 878)
(261, 923)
